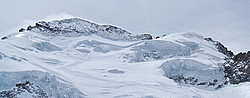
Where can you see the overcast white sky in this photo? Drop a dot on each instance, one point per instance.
(224, 20)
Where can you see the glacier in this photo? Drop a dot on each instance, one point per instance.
(84, 59)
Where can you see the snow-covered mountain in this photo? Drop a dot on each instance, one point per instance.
(75, 58)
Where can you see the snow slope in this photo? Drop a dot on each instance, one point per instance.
(98, 66)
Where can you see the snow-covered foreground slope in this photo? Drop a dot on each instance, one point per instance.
(99, 67)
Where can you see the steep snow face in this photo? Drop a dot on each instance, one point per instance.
(203, 65)
(189, 58)
(35, 83)
(155, 50)
(193, 72)
(77, 27)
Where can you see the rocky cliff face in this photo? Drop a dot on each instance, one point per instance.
(237, 68)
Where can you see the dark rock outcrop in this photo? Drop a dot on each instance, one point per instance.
(20, 88)
(21, 30)
(144, 37)
(3, 38)
(157, 37)
(193, 81)
(237, 68)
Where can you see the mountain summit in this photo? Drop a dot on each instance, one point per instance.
(77, 27)
(81, 59)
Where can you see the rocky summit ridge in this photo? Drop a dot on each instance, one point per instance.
(77, 27)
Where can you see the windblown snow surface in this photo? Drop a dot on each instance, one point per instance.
(98, 67)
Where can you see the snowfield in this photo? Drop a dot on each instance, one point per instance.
(93, 65)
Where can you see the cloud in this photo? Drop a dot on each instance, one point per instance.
(27, 22)
(59, 16)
